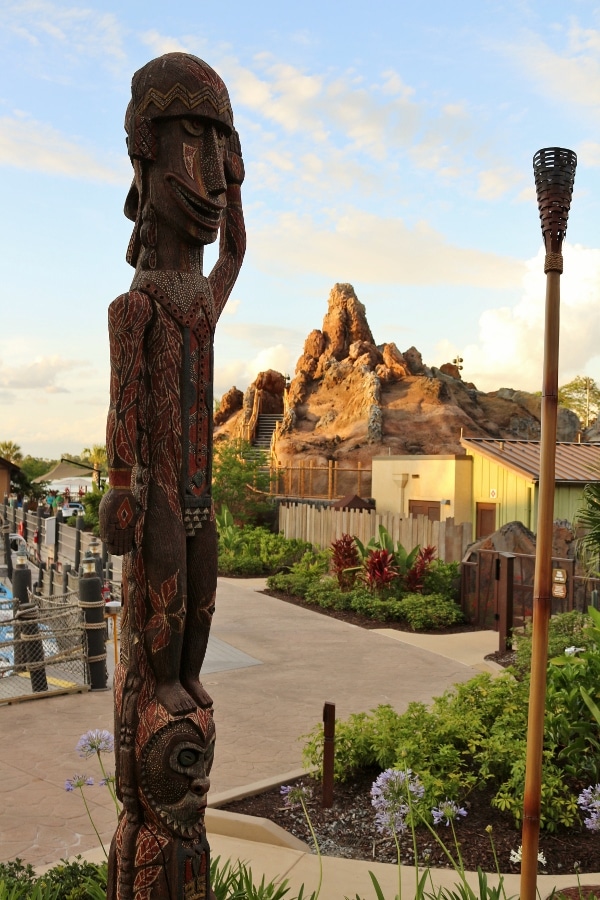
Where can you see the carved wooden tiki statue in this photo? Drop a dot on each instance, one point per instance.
(158, 511)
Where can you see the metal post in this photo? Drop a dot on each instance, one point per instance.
(92, 603)
(59, 518)
(328, 753)
(506, 580)
(78, 530)
(554, 170)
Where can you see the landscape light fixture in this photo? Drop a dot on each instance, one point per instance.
(554, 171)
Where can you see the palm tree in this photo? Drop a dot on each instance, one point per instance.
(11, 452)
(96, 457)
(588, 518)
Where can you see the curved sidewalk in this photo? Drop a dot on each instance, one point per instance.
(270, 668)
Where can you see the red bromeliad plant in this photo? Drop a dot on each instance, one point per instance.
(379, 569)
(345, 557)
(414, 578)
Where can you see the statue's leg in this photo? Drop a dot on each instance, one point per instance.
(201, 590)
(163, 549)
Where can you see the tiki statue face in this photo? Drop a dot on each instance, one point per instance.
(177, 123)
(173, 775)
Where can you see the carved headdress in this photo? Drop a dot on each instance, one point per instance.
(176, 84)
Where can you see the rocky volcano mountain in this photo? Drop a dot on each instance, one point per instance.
(352, 399)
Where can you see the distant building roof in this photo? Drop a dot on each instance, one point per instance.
(575, 462)
(7, 464)
(65, 470)
(353, 501)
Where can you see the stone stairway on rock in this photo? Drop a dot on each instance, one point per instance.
(264, 431)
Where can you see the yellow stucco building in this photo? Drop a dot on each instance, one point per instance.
(495, 482)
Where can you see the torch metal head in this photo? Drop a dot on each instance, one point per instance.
(554, 171)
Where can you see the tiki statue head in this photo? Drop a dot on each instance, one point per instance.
(179, 124)
(173, 771)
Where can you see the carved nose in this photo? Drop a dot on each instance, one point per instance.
(200, 786)
(212, 163)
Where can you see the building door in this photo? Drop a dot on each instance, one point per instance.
(485, 519)
(428, 508)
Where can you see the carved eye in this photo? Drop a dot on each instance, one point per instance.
(194, 126)
(188, 757)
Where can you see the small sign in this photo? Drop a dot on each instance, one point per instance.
(559, 576)
(559, 590)
(493, 493)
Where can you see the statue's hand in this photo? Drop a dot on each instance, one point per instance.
(118, 516)
(232, 159)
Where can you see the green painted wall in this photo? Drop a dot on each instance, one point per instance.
(516, 496)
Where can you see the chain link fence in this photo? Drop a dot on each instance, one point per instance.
(42, 647)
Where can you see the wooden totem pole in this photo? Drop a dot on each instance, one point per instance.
(158, 511)
(554, 171)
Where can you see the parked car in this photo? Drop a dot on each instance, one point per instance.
(72, 508)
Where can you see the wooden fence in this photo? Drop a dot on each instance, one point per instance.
(322, 525)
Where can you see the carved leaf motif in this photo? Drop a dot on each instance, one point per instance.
(149, 846)
(164, 621)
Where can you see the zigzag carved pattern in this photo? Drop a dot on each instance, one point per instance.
(189, 99)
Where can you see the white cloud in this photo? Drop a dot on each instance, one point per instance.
(243, 373)
(509, 352)
(572, 76)
(161, 44)
(494, 183)
(41, 374)
(231, 307)
(361, 246)
(78, 31)
(37, 146)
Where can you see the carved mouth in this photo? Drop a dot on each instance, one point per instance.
(203, 211)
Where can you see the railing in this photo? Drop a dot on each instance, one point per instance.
(330, 482)
(321, 525)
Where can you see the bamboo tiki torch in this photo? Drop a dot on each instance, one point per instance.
(554, 170)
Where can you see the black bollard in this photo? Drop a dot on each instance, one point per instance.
(33, 648)
(92, 603)
(21, 584)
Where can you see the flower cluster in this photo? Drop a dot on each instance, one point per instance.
(448, 810)
(95, 741)
(390, 796)
(515, 856)
(293, 795)
(78, 781)
(589, 801)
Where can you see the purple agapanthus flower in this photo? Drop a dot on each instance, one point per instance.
(293, 794)
(589, 801)
(390, 796)
(78, 781)
(448, 810)
(95, 741)
(107, 780)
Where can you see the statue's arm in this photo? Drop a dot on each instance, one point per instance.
(128, 319)
(233, 232)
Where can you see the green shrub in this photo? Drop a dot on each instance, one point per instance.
(443, 578)
(240, 566)
(425, 612)
(564, 630)
(308, 570)
(327, 593)
(382, 610)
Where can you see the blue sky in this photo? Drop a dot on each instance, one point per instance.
(388, 145)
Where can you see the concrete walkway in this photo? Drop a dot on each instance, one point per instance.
(269, 670)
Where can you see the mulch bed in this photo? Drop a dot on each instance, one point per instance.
(347, 829)
(355, 618)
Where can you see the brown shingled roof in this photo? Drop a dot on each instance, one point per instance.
(579, 463)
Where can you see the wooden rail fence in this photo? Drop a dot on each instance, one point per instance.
(322, 525)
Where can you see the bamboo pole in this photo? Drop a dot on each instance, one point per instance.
(554, 171)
